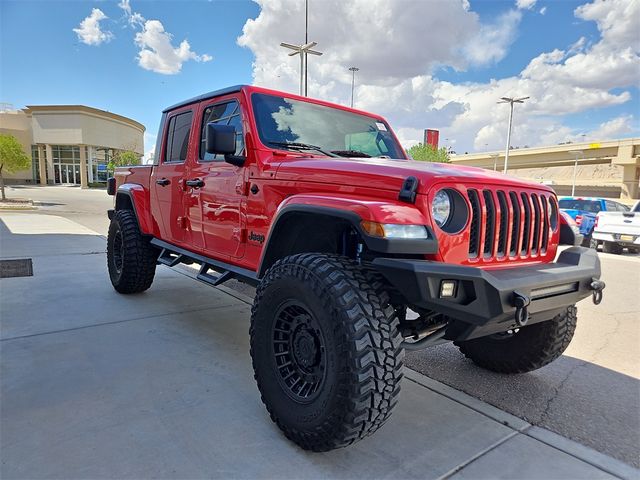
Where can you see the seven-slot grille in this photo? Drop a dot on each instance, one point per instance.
(509, 223)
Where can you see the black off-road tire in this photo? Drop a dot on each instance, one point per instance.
(586, 241)
(131, 259)
(530, 348)
(611, 247)
(342, 314)
(593, 243)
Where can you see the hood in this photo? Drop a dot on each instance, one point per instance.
(387, 174)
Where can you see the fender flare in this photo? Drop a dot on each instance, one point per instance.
(353, 212)
(132, 196)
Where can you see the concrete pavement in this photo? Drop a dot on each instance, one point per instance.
(100, 385)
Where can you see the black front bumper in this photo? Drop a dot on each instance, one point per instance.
(484, 301)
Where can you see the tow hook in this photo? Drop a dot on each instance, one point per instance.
(521, 302)
(597, 286)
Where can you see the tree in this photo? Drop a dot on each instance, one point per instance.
(429, 153)
(123, 158)
(12, 158)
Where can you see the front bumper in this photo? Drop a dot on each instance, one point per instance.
(486, 302)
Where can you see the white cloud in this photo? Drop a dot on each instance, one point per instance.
(133, 18)
(90, 32)
(158, 54)
(492, 42)
(399, 55)
(614, 128)
(543, 10)
(525, 4)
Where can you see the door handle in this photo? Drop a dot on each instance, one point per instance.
(195, 183)
(163, 182)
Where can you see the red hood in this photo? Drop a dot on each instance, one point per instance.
(386, 174)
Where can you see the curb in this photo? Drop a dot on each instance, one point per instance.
(588, 455)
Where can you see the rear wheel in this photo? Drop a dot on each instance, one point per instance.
(527, 349)
(325, 347)
(131, 259)
(611, 247)
(593, 243)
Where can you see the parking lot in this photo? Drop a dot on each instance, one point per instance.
(95, 384)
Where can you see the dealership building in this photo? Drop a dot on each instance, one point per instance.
(69, 144)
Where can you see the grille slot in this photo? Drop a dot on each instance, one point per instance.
(474, 229)
(515, 227)
(504, 220)
(490, 223)
(536, 223)
(526, 229)
(545, 226)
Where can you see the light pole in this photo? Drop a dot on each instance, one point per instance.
(577, 154)
(495, 157)
(353, 71)
(510, 101)
(302, 50)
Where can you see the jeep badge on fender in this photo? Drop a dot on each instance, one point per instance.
(355, 234)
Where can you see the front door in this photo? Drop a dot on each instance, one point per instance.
(168, 179)
(215, 208)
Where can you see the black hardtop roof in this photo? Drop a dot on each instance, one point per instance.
(205, 96)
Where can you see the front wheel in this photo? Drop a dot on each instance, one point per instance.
(131, 259)
(527, 349)
(326, 350)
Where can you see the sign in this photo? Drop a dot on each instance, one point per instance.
(594, 145)
(431, 137)
(102, 167)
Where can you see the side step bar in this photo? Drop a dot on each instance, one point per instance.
(170, 255)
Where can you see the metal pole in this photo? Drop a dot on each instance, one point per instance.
(306, 41)
(353, 82)
(506, 153)
(575, 172)
(301, 73)
(353, 71)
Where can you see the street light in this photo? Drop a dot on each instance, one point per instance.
(353, 71)
(302, 50)
(577, 154)
(495, 157)
(510, 101)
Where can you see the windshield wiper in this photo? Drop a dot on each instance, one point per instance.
(302, 146)
(351, 153)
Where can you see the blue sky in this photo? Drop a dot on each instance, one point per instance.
(483, 50)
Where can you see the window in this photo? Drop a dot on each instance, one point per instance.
(592, 206)
(284, 120)
(178, 137)
(610, 206)
(221, 114)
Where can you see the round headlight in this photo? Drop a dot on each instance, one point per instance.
(441, 207)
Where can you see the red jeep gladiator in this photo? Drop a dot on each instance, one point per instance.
(320, 207)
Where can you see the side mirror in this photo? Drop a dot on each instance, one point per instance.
(220, 139)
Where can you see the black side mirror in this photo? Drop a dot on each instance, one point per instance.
(220, 139)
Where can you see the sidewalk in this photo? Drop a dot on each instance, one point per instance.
(100, 385)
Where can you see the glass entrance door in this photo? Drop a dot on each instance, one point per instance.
(69, 173)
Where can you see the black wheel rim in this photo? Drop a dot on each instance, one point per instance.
(118, 251)
(298, 352)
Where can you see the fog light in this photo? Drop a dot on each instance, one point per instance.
(448, 288)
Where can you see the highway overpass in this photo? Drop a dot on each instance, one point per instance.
(624, 153)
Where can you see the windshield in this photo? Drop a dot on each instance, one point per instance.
(294, 124)
(584, 205)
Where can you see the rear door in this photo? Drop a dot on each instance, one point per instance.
(216, 208)
(168, 177)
